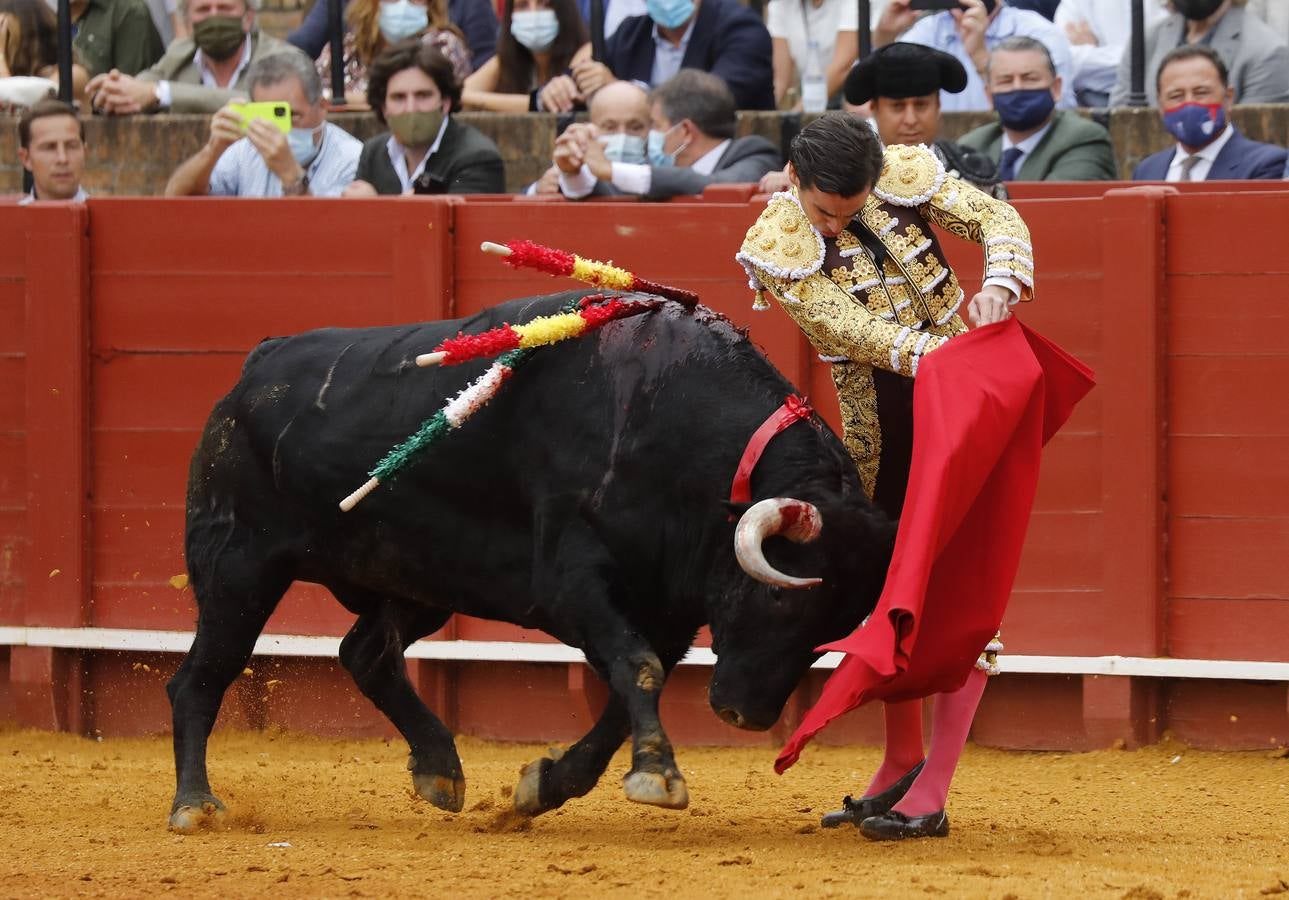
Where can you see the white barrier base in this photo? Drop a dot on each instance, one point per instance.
(531, 651)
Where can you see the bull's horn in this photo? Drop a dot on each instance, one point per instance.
(798, 521)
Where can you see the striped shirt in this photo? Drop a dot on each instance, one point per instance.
(242, 172)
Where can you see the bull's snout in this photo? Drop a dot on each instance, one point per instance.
(731, 716)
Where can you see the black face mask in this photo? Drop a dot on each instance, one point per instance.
(1196, 10)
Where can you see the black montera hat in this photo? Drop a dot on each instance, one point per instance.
(904, 70)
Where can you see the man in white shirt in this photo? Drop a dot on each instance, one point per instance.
(256, 159)
(691, 144)
(51, 146)
(971, 34)
(1195, 100)
(1099, 32)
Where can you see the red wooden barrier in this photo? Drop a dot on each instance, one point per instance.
(96, 434)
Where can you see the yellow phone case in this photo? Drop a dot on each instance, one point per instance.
(275, 112)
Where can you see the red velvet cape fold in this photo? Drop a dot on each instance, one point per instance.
(984, 404)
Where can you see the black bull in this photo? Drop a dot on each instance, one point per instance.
(587, 500)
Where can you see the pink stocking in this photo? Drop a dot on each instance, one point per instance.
(950, 725)
(903, 744)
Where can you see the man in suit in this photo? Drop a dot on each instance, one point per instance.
(718, 36)
(1254, 54)
(691, 144)
(1195, 99)
(413, 89)
(198, 74)
(1032, 140)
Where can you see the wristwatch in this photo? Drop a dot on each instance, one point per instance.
(297, 188)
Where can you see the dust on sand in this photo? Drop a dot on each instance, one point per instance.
(314, 817)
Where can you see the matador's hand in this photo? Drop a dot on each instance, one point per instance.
(991, 305)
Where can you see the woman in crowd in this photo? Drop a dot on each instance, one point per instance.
(375, 24)
(29, 49)
(807, 34)
(543, 61)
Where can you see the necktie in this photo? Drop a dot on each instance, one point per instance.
(1007, 170)
(1187, 164)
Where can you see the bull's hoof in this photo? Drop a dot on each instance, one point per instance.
(529, 789)
(668, 791)
(445, 793)
(187, 818)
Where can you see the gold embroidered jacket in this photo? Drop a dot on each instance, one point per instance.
(857, 315)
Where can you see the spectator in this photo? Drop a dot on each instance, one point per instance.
(1257, 59)
(115, 35)
(315, 158)
(902, 82)
(615, 13)
(29, 51)
(1099, 33)
(971, 34)
(620, 116)
(414, 90)
(543, 61)
(1032, 140)
(691, 144)
(375, 24)
(198, 74)
(476, 19)
(828, 30)
(1195, 99)
(718, 36)
(51, 146)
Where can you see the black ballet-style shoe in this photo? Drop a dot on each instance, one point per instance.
(895, 826)
(855, 811)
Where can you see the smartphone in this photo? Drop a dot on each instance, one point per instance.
(275, 112)
(935, 4)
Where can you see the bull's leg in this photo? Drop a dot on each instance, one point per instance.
(372, 651)
(235, 599)
(548, 783)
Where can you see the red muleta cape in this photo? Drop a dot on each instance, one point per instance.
(984, 404)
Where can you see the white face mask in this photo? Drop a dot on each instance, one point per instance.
(623, 147)
(536, 29)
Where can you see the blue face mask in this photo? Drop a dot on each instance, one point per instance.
(670, 13)
(536, 29)
(625, 148)
(1023, 110)
(1196, 124)
(300, 140)
(657, 156)
(402, 19)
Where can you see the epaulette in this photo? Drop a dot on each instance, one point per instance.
(910, 175)
(782, 243)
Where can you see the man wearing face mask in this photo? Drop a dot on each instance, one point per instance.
(691, 144)
(1032, 140)
(971, 33)
(313, 159)
(1255, 56)
(620, 118)
(722, 37)
(198, 74)
(413, 89)
(1195, 99)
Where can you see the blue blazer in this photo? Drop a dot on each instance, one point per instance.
(1240, 159)
(728, 40)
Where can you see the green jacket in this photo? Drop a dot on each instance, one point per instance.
(1074, 149)
(187, 93)
(116, 34)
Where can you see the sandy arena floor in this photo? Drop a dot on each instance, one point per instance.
(311, 817)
